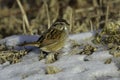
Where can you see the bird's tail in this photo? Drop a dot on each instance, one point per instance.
(37, 44)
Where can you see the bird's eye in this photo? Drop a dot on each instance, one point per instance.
(61, 24)
(54, 24)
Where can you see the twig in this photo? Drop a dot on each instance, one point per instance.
(71, 20)
(84, 9)
(57, 13)
(24, 29)
(47, 12)
(91, 25)
(98, 19)
(25, 17)
(95, 3)
(107, 14)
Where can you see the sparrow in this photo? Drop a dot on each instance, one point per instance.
(53, 39)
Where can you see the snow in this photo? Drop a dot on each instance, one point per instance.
(73, 66)
(102, 55)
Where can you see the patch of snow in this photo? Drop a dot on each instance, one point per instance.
(73, 66)
(101, 55)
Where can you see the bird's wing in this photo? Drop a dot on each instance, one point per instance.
(49, 37)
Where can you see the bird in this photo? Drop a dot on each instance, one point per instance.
(52, 39)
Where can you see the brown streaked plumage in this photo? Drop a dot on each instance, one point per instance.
(54, 38)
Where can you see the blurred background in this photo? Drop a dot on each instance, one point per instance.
(38, 15)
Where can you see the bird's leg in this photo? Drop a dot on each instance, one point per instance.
(43, 55)
(52, 57)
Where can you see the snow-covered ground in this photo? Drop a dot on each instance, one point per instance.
(73, 67)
